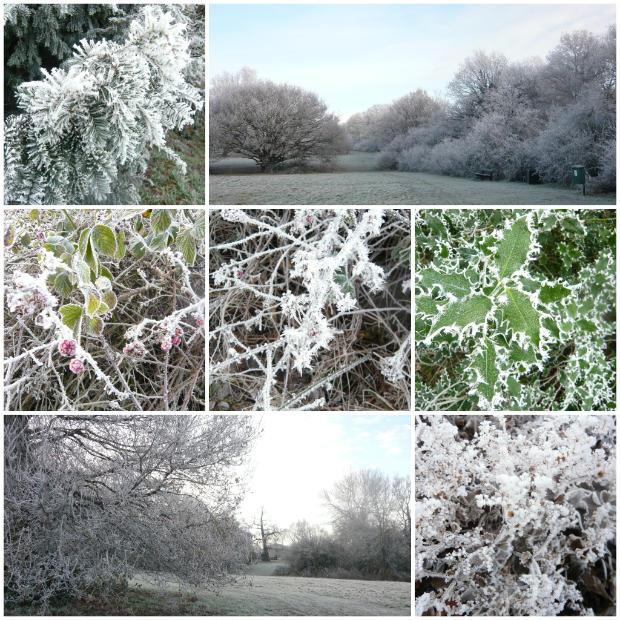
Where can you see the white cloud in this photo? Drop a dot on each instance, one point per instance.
(396, 440)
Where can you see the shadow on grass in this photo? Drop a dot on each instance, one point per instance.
(130, 603)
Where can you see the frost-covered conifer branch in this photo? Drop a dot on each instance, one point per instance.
(85, 129)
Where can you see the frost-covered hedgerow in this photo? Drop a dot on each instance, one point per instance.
(290, 295)
(121, 291)
(516, 517)
(515, 310)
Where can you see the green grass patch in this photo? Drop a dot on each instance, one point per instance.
(169, 185)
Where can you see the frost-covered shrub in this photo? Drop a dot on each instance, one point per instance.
(516, 517)
(515, 310)
(305, 291)
(82, 283)
(606, 179)
(574, 135)
(371, 145)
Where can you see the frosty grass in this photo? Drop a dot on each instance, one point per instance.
(358, 183)
(301, 596)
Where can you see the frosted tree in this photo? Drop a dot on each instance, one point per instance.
(84, 133)
(270, 123)
(42, 36)
(90, 499)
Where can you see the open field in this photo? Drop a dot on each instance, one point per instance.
(265, 568)
(299, 596)
(355, 182)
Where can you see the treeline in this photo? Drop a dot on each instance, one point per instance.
(511, 116)
(371, 537)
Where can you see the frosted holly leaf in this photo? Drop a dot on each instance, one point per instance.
(513, 249)
(461, 314)
(454, 283)
(485, 366)
(427, 306)
(522, 318)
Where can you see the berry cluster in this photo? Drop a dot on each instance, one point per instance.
(135, 348)
(76, 366)
(67, 348)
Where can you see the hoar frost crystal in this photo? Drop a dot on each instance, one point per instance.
(514, 517)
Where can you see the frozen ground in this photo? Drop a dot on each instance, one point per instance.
(356, 182)
(297, 596)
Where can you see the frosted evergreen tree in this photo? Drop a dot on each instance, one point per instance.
(84, 131)
(43, 35)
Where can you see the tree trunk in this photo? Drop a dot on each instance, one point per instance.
(265, 554)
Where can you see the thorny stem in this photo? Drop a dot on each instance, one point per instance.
(104, 345)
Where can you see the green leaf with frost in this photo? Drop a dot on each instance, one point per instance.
(550, 294)
(120, 245)
(72, 317)
(109, 299)
(521, 316)
(103, 308)
(103, 283)
(519, 354)
(187, 244)
(94, 326)
(426, 305)
(572, 225)
(436, 225)
(106, 272)
(83, 271)
(104, 240)
(199, 226)
(513, 248)
(454, 283)
(462, 313)
(485, 364)
(589, 326)
(344, 282)
(93, 299)
(62, 284)
(83, 242)
(161, 219)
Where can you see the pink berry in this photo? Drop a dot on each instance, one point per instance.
(200, 321)
(166, 345)
(178, 331)
(128, 350)
(76, 365)
(309, 219)
(176, 341)
(67, 347)
(239, 273)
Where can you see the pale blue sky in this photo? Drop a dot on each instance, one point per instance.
(300, 455)
(357, 55)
